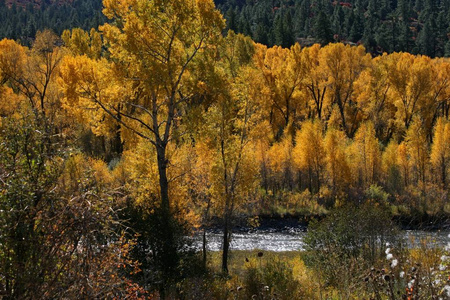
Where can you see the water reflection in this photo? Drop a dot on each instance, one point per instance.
(293, 240)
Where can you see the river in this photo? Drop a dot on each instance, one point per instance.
(292, 240)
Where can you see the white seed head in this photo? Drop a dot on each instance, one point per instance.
(394, 263)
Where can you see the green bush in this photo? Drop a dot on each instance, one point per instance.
(347, 242)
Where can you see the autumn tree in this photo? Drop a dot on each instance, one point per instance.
(309, 153)
(366, 158)
(315, 81)
(404, 163)
(157, 38)
(372, 89)
(152, 47)
(392, 160)
(411, 82)
(232, 120)
(281, 164)
(280, 79)
(342, 66)
(337, 167)
(440, 150)
(440, 95)
(81, 42)
(32, 73)
(417, 149)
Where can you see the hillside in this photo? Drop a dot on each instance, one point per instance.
(382, 26)
(20, 20)
(419, 27)
(36, 3)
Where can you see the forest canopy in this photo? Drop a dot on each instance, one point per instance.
(415, 26)
(117, 141)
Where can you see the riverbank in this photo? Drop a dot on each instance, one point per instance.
(299, 223)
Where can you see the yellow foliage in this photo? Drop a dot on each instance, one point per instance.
(366, 160)
(342, 65)
(403, 162)
(309, 152)
(280, 154)
(390, 157)
(280, 78)
(440, 150)
(337, 165)
(417, 148)
(81, 42)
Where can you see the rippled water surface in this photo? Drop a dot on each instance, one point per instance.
(293, 240)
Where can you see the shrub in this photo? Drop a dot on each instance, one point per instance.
(347, 242)
(163, 250)
(272, 280)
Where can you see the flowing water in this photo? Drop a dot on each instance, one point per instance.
(292, 240)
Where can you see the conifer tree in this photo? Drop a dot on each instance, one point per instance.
(322, 29)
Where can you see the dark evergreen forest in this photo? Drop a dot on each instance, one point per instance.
(22, 22)
(415, 26)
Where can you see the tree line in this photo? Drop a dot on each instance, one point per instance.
(22, 22)
(117, 141)
(418, 27)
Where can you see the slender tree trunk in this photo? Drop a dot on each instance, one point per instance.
(169, 254)
(204, 248)
(163, 181)
(226, 245)
(444, 176)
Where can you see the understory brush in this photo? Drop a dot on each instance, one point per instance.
(353, 253)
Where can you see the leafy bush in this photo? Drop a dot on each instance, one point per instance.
(347, 242)
(59, 234)
(165, 254)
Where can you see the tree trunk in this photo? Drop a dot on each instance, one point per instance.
(204, 248)
(226, 245)
(169, 255)
(163, 181)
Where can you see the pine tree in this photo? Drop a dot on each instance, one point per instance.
(405, 38)
(322, 29)
(230, 16)
(447, 49)
(357, 29)
(368, 38)
(338, 19)
(260, 35)
(426, 41)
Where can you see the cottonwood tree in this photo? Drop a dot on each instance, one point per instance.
(230, 124)
(336, 162)
(342, 66)
(372, 89)
(366, 156)
(81, 42)
(315, 81)
(391, 168)
(411, 82)
(32, 73)
(280, 77)
(309, 153)
(417, 149)
(152, 47)
(440, 150)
